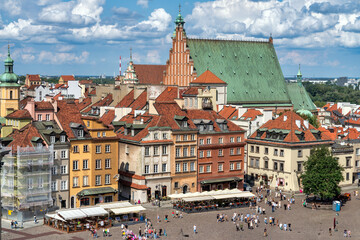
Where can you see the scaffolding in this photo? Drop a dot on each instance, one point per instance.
(26, 179)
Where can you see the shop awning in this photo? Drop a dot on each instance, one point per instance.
(96, 191)
(215, 194)
(235, 195)
(55, 216)
(72, 214)
(94, 211)
(195, 199)
(219, 180)
(115, 205)
(126, 210)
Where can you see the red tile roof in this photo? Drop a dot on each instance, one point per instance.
(59, 85)
(133, 185)
(43, 106)
(33, 77)
(108, 117)
(168, 95)
(252, 114)
(68, 78)
(93, 91)
(32, 87)
(22, 137)
(288, 121)
(149, 74)
(340, 133)
(85, 81)
(191, 91)
(127, 100)
(84, 103)
(19, 114)
(229, 112)
(140, 102)
(106, 101)
(208, 77)
(24, 101)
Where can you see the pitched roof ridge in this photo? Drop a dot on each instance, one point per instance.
(230, 40)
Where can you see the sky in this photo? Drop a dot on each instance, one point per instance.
(87, 37)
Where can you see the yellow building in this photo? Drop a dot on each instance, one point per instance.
(15, 120)
(9, 88)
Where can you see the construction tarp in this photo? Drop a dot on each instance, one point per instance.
(126, 210)
(94, 211)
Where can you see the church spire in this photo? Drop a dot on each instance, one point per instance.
(179, 22)
(299, 77)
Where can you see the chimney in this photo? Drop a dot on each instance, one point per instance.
(55, 105)
(30, 106)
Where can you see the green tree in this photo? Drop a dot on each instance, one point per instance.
(322, 174)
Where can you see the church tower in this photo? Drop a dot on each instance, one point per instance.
(130, 74)
(9, 88)
(299, 77)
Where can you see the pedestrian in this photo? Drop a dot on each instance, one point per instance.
(289, 225)
(166, 218)
(173, 214)
(349, 233)
(181, 215)
(160, 232)
(140, 231)
(158, 219)
(265, 232)
(285, 206)
(35, 220)
(345, 233)
(330, 233)
(237, 227)
(195, 229)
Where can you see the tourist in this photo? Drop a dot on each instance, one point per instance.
(285, 226)
(349, 233)
(160, 232)
(140, 231)
(173, 214)
(35, 220)
(195, 229)
(345, 233)
(330, 233)
(12, 224)
(166, 218)
(289, 226)
(181, 215)
(265, 232)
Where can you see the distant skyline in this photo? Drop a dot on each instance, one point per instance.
(86, 37)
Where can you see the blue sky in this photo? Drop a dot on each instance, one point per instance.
(86, 37)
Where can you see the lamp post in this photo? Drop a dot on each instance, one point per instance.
(3, 152)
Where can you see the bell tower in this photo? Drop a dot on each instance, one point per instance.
(9, 88)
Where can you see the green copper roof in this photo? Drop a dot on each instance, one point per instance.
(304, 112)
(8, 76)
(300, 98)
(251, 69)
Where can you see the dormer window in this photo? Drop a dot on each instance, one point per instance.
(156, 136)
(211, 127)
(132, 132)
(39, 144)
(80, 133)
(62, 138)
(184, 124)
(52, 139)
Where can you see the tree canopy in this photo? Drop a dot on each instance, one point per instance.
(322, 174)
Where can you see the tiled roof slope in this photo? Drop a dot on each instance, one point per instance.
(24, 101)
(19, 114)
(106, 101)
(299, 97)
(68, 77)
(208, 77)
(251, 114)
(108, 117)
(140, 102)
(149, 74)
(251, 69)
(68, 113)
(43, 106)
(22, 137)
(127, 100)
(84, 103)
(168, 95)
(33, 77)
(229, 112)
(286, 124)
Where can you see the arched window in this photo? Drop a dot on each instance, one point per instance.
(11, 94)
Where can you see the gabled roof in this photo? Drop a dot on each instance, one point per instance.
(229, 112)
(19, 114)
(140, 102)
(168, 95)
(84, 103)
(43, 106)
(106, 101)
(24, 101)
(32, 87)
(108, 117)
(208, 78)
(251, 69)
(33, 77)
(24, 136)
(127, 100)
(59, 85)
(149, 74)
(194, 91)
(251, 114)
(299, 97)
(68, 78)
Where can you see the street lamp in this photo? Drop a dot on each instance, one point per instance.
(3, 152)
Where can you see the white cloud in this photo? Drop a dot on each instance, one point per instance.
(13, 7)
(47, 57)
(28, 57)
(143, 3)
(296, 57)
(153, 56)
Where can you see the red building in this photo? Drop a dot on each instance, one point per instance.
(220, 151)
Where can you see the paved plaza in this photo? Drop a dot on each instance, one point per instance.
(305, 223)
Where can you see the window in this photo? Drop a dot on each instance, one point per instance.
(177, 138)
(208, 168)
(156, 168)
(156, 136)
(40, 182)
(275, 166)
(238, 151)
(208, 153)
(220, 140)
(177, 152)
(231, 151)
(185, 137)
(266, 150)
(201, 154)
(86, 148)
(52, 139)
(221, 152)
(63, 154)
(98, 180)
(232, 139)
(192, 151)
(281, 152)
(156, 150)
(53, 170)
(192, 166)
(238, 139)
(53, 186)
(266, 164)
(348, 161)
(85, 164)
(300, 153)
(177, 167)
(257, 150)
(62, 138)
(358, 151)
(107, 163)
(299, 167)
(165, 136)
(47, 117)
(185, 167)
(76, 149)
(276, 152)
(39, 117)
(192, 137)
(63, 185)
(347, 176)
(252, 149)
(164, 150)
(257, 162)
(88, 123)
(80, 133)
(164, 167)
(98, 164)
(11, 94)
(185, 152)
(104, 134)
(63, 169)
(85, 180)
(201, 169)
(147, 169)
(220, 167)
(176, 184)
(208, 141)
(231, 166)
(201, 141)
(238, 166)
(75, 165)
(107, 148)
(282, 167)
(98, 149)
(147, 151)
(30, 183)
(251, 162)
(357, 163)
(75, 181)
(54, 154)
(107, 178)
